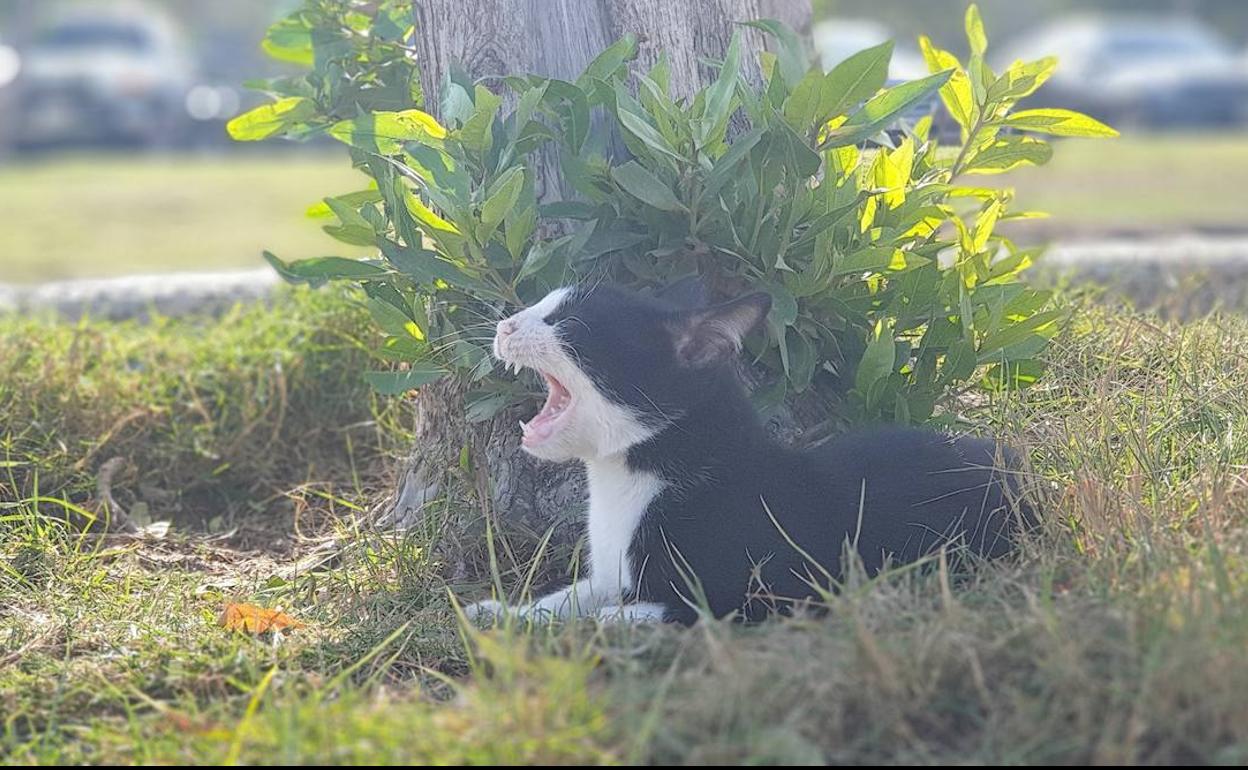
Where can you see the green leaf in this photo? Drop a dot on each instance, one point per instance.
(429, 219)
(725, 167)
(802, 106)
(483, 405)
(477, 132)
(347, 214)
(394, 383)
(528, 105)
(783, 305)
(1022, 79)
(855, 80)
(640, 128)
(606, 241)
(455, 105)
(352, 234)
(518, 227)
(537, 258)
(984, 226)
(791, 55)
(960, 362)
(803, 359)
(353, 199)
(319, 270)
(385, 132)
(1017, 332)
(878, 360)
(883, 109)
(957, 93)
(639, 182)
(720, 94)
(503, 195)
(393, 320)
(975, 34)
(1010, 153)
(427, 268)
(290, 40)
(875, 259)
(271, 119)
(573, 107)
(1059, 123)
(610, 62)
(892, 170)
(441, 174)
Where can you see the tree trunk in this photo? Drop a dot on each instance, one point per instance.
(552, 38)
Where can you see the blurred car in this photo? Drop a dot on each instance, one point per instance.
(1154, 72)
(104, 77)
(10, 64)
(838, 39)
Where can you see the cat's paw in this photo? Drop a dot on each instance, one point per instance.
(633, 614)
(488, 609)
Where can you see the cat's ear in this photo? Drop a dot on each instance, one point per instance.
(689, 293)
(714, 335)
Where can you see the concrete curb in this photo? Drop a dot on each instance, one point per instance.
(137, 296)
(1144, 270)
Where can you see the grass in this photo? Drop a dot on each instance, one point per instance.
(135, 214)
(1137, 183)
(102, 215)
(1118, 636)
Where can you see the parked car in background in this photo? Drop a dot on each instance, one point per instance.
(10, 64)
(1152, 72)
(838, 39)
(119, 76)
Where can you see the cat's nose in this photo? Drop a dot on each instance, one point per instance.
(506, 327)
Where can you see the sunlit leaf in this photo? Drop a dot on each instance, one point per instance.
(385, 132)
(271, 119)
(975, 34)
(1060, 123)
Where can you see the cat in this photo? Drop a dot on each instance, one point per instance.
(692, 507)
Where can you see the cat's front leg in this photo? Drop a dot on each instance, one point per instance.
(579, 599)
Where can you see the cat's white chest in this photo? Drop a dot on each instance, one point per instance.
(618, 498)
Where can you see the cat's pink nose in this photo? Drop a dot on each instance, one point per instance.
(506, 327)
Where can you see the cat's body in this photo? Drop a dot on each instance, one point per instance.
(691, 503)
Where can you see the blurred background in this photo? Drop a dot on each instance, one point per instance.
(114, 158)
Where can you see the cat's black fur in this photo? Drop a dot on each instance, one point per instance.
(896, 493)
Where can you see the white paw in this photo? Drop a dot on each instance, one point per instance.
(489, 609)
(494, 610)
(636, 614)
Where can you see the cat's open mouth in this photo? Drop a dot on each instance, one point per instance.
(546, 422)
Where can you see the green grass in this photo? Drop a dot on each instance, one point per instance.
(218, 419)
(1139, 183)
(1118, 636)
(96, 215)
(103, 215)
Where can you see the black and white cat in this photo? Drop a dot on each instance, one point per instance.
(691, 504)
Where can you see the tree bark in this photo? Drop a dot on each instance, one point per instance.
(551, 38)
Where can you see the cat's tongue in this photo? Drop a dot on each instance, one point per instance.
(542, 426)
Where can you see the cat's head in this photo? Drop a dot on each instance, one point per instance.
(620, 367)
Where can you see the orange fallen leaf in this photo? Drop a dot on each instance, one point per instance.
(256, 620)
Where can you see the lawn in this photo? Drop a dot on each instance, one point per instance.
(90, 216)
(1117, 637)
(1139, 184)
(101, 215)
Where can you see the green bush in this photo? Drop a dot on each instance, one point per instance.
(886, 275)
